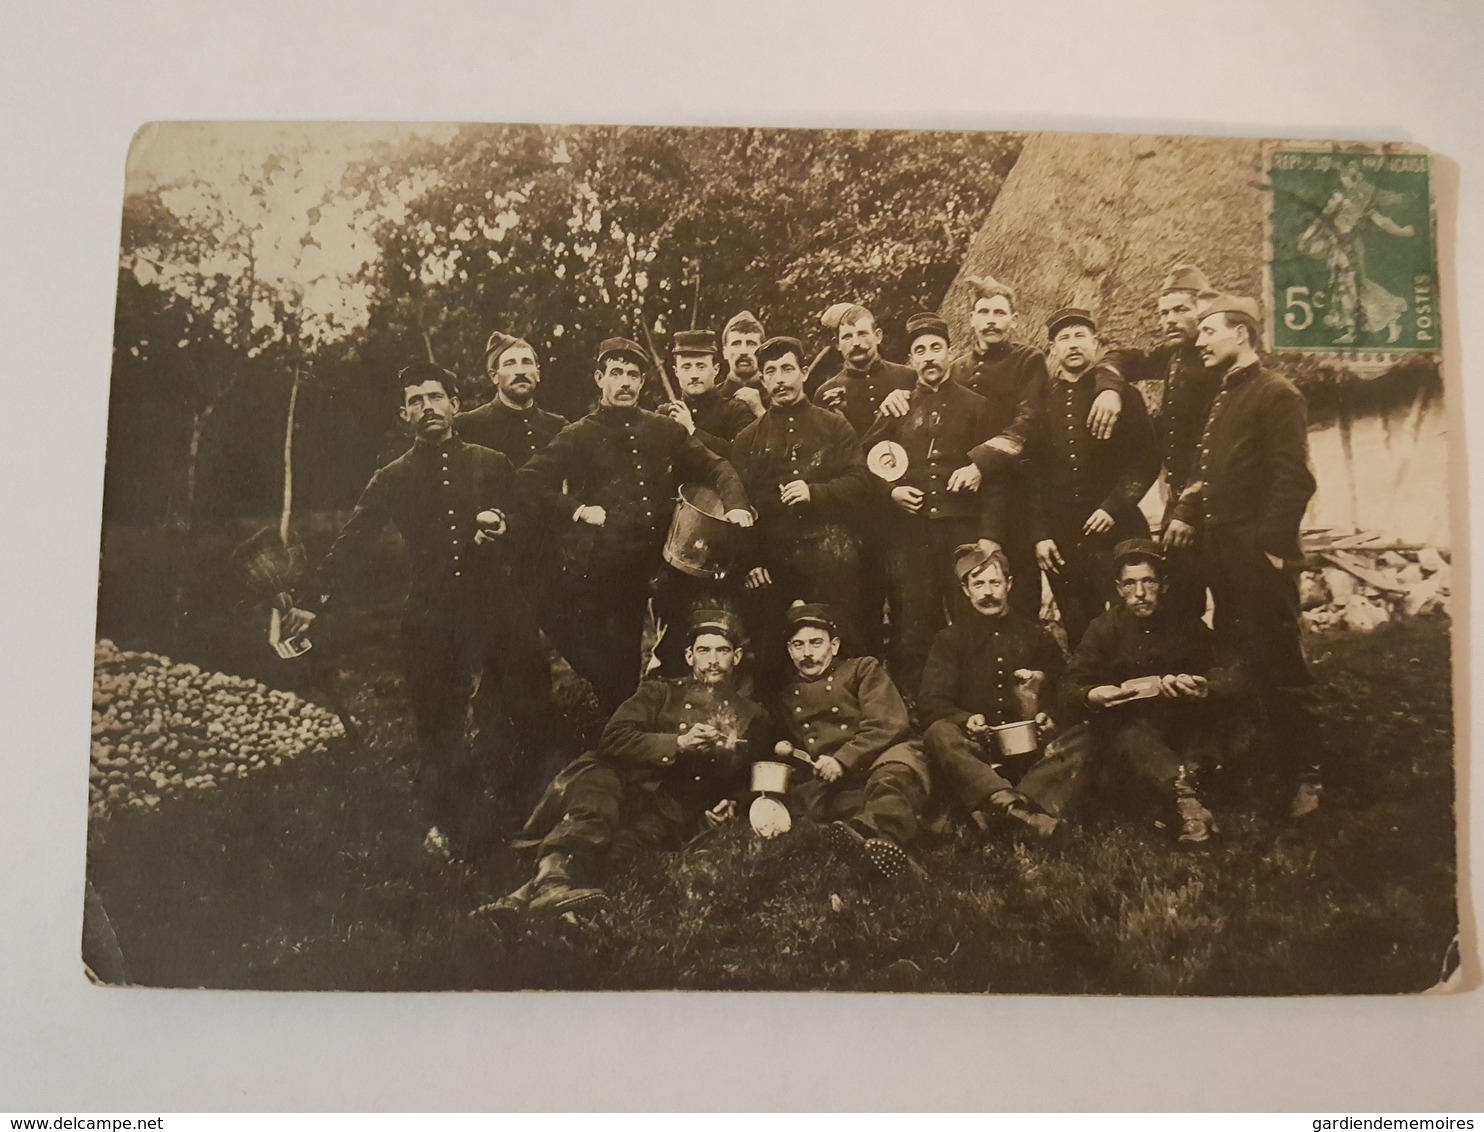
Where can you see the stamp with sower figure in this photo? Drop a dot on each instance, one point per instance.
(1352, 254)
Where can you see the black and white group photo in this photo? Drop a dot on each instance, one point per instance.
(587, 557)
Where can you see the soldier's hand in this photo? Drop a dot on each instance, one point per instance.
(1104, 414)
(751, 398)
(591, 514)
(832, 398)
(794, 493)
(967, 478)
(909, 499)
(296, 622)
(698, 738)
(1168, 686)
(828, 768)
(757, 578)
(1179, 536)
(739, 516)
(895, 404)
(976, 724)
(1048, 557)
(1105, 694)
(680, 411)
(721, 813)
(1098, 523)
(1045, 724)
(492, 525)
(1192, 687)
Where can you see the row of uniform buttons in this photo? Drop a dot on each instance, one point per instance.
(452, 527)
(639, 467)
(1216, 407)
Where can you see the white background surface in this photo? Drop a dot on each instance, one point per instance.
(77, 79)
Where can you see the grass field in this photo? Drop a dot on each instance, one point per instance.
(312, 875)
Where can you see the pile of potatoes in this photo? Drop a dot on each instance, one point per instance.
(161, 728)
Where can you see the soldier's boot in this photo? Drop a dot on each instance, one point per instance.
(1196, 823)
(509, 906)
(553, 893)
(860, 844)
(1018, 808)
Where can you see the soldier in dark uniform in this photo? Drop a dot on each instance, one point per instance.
(846, 717)
(673, 752)
(1161, 742)
(856, 393)
(940, 501)
(516, 427)
(714, 418)
(608, 483)
(1085, 492)
(990, 667)
(804, 472)
(512, 424)
(469, 643)
(1243, 510)
(1179, 388)
(740, 338)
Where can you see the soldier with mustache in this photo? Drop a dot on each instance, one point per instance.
(707, 413)
(942, 500)
(1085, 492)
(740, 338)
(607, 483)
(512, 424)
(470, 649)
(673, 752)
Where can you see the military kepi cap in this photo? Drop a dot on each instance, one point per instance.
(970, 556)
(810, 614)
(1238, 305)
(694, 342)
(1138, 550)
(717, 621)
(623, 348)
(1066, 317)
(498, 343)
(1185, 277)
(779, 345)
(925, 322)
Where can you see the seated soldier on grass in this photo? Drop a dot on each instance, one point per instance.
(847, 718)
(1148, 676)
(989, 668)
(673, 752)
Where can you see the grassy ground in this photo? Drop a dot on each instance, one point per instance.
(313, 876)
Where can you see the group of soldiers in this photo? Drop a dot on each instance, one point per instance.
(878, 627)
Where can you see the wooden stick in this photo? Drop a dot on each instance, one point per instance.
(288, 463)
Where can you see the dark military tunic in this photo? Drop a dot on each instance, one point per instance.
(468, 638)
(1248, 502)
(518, 434)
(1073, 474)
(1181, 391)
(865, 390)
(720, 418)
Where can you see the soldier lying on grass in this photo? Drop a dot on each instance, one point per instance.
(674, 752)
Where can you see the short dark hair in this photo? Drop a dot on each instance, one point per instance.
(854, 315)
(1137, 559)
(1234, 320)
(419, 373)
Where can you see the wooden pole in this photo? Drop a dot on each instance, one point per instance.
(288, 463)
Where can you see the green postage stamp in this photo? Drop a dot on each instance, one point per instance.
(1353, 263)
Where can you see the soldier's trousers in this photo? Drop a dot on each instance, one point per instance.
(1051, 777)
(603, 815)
(1257, 612)
(480, 692)
(598, 627)
(888, 799)
(1155, 752)
(924, 592)
(1185, 582)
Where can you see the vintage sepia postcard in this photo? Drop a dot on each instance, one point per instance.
(600, 557)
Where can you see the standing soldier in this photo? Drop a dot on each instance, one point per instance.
(673, 751)
(937, 503)
(740, 338)
(1186, 389)
(1085, 491)
(803, 470)
(469, 644)
(1244, 508)
(713, 418)
(512, 424)
(1012, 378)
(848, 720)
(608, 484)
